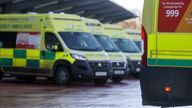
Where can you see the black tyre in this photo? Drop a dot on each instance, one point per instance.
(117, 79)
(100, 81)
(29, 79)
(62, 76)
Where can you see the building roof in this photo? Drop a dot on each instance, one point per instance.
(104, 10)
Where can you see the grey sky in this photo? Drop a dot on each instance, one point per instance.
(132, 5)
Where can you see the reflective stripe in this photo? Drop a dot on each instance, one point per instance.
(47, 55)
(31, 58)
(6, 62)
(170, 62)
(19, 53)
(33, 63)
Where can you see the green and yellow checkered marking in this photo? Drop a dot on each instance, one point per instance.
(31, 58)
(25, 58)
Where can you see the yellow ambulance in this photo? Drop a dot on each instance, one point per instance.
(135, 36)
(58, 46)
(118, 60)
(166, 79)
(128, 47)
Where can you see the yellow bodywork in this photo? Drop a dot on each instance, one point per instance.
(134, 35)
(96, 28)
(116, 31)
(41, 23)
(170, 49)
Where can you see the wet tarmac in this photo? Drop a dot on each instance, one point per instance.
(46, 94)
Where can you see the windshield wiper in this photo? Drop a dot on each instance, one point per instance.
(112, 50)
(133, 51)
(98, 48)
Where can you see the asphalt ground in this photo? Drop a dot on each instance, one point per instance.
(47, 94)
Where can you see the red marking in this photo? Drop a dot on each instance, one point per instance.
(170, 24)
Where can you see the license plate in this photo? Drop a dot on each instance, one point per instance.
(119, 72)
(100, 73)
(138, 69)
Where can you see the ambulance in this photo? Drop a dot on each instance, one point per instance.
(57, 46)
(166, 79)
(135, 36)
(117, 59)
(128, 47)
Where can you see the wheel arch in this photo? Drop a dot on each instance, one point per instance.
(64, 63)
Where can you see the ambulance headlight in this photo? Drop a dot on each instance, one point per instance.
(78, 57)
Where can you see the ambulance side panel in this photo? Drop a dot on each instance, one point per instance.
(169, 54)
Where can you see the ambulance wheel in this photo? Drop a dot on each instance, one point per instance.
(100, 81)
(117, 79)
(62, 76)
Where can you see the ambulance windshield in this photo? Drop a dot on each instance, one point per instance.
(127, 45)
(80, 41)
(107, 43)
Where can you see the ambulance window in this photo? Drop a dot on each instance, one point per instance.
(28, 40)
(51, 40)
(8, 39)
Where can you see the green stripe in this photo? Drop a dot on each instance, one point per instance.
(6, 62)
(20, 54)
(151, 61)
(33, 63)
(47, 55)
(170, 62)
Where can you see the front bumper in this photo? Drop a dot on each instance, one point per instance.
(120, 69)
(89, 70)
(135, 66)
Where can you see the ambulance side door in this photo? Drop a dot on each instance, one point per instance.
(51, 45)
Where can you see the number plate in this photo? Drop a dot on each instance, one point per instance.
(119, 72)
(100, 73)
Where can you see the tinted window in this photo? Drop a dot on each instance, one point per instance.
(107, 43)
(127, 45)
(51, 40)
(138, 43)
(80, 41)
(8, 39)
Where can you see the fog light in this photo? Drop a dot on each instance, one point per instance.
(168, 89)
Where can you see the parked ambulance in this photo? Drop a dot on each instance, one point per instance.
(118, 60)
(166, 77)
(135, 36)
(51, 45)
(128, 47)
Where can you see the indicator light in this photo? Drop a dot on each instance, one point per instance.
(168, 89)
